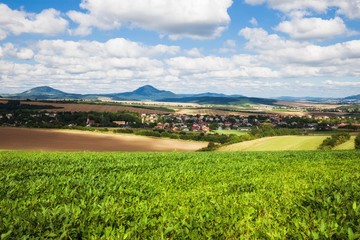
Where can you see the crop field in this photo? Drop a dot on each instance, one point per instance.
(279, 143)
(211, 112)
(73, 107)
(72, 140)
(247, 195)
(236, 132)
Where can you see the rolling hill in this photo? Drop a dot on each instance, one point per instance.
(44, 92)
(279, 143)
(145, 93)
(354, 97)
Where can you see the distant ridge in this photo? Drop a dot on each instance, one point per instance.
(209, 94)
(146, 92)
(151, 93)
(44, 90)
(354, 97)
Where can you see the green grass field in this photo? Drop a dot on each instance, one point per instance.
(247, 195)
(236, 132)
(280, 143)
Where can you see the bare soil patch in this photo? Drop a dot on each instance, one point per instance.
(69, 141)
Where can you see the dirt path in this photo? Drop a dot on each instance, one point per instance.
(68, 141)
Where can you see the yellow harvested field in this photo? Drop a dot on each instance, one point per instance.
(279, 143)
(347, 145)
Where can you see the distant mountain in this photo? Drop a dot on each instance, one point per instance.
(354, 97)
(146, 92)
(209, 94)
(223, 100)
(143, 93)
(44, 92)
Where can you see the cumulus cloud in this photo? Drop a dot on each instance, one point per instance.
(212, 67)
(117, 57)
(120, 64)
(8, 50)
(314, 28)
(194, 52)
(201, 19)
(349, 8)
(303, 59)
(111, 65)
(49, 22)
(118, 47)
(253, 21)
(261, 40)
(228, 46)
(331, 83)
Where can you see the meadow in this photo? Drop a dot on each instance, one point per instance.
(236, 132)
(282, 143)
(238, 195)
(346, 145)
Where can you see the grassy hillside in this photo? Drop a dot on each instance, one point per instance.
(236, 132)
(347, 145)
(279, 143)
(253, 195)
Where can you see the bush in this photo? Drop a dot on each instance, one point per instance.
(334, 140)
(357, 142)
(124, 130)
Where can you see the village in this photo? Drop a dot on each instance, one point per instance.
(206, 123)
(175, 122)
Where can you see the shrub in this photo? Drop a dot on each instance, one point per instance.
(357, 142)
(334, 140)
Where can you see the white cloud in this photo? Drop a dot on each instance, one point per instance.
(253, 21)
(261, 40)
(349, 8)
(228, 46)
(194, 52)
(331, 83)
(118, 47)
(49, 22)
(304, 84)
(10, 51)
(212, 67)
(303, 59)
(201, 19)
(314, 28)
(114, 65)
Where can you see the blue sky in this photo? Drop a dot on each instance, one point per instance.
(262, 48)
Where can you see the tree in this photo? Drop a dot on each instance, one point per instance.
(213, 126)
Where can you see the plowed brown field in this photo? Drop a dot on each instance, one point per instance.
(69, 141)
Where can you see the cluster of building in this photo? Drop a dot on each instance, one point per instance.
(206, 123)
